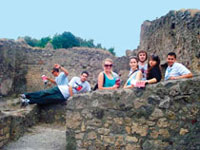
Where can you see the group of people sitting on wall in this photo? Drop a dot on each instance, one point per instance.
(141, 73)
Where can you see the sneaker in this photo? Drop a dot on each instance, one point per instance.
(24, 102)
(22, 96)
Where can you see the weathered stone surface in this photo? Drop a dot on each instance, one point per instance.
(154, 134)
(94, 122)
(165, 102)
(128, 129)
(162, 123)
(133, 147)
(15, 122)
(108, 139)
(156, 114)
(119, 141)
(164, 133)
(73, 120)
(118, 121)
(79, 136)
(53, 113)
(173, 32)
(142, 130)
(131, 139)
(92, 135)
(83, 128)
(115, 123)
(103, 131)
(183, 131)
(171, 115)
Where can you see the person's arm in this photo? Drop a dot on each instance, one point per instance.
(100, 83)
(62, 68)
(88, 88)
(151, 81)
(71, 91)
(51, 80)
(189, 75)
(128, 86)
(71, 84)
(156, 76)
(139, 76)
(183, 72)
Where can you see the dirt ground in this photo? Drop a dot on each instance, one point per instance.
(40, 137)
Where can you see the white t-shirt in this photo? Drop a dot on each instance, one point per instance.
(77, 85)
(61, 79)
(64, 89)
(176, 70)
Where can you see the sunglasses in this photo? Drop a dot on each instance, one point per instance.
(106, 65)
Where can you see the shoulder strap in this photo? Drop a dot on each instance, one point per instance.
(104, 78)
(133, 72)
(96, 85)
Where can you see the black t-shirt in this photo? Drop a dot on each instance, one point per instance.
(155, 73)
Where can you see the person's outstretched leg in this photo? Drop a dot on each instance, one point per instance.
(53, 97)
(40, 94)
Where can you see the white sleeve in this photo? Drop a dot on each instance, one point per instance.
(88, 88)
(63, 74)
(183, 70)
(72, 81)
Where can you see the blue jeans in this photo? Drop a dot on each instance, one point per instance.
(49, 96)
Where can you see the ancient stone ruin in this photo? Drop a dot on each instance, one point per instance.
(22, 66)
(163, 116)
(177, 31)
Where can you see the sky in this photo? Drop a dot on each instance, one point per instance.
(113, 23)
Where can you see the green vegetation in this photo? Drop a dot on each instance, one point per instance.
(64, 40)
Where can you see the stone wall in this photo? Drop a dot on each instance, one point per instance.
(15, 122)
(177, 31)
(163, 116)
(22, 66)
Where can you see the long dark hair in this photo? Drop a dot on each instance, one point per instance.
(155, 58)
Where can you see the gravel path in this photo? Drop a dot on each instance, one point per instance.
(40, 137)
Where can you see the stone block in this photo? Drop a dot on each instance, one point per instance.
(119, 141)
(108, 139)
(142, 130)
(53, 113)
(103, 131)
(131, 139)
(91, 135)
(183, 131)
(162, 123)
(73, 120)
